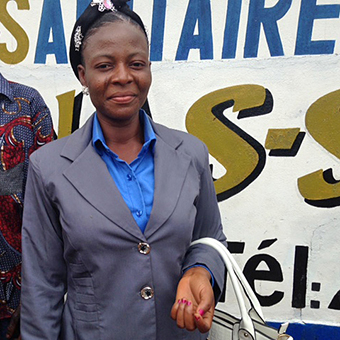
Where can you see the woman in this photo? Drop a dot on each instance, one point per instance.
(113, 208)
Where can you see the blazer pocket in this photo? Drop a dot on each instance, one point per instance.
(83, 282)
(86, 316)
(85, 299)
(79, 270)
(86, 307)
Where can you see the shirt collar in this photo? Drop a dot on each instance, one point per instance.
(98, 139)
(5, 88)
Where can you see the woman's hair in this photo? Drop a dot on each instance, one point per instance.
(109, 17)
(96, 15)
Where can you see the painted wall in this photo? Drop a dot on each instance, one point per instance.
(258, 82)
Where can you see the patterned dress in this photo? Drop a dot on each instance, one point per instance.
(25, 125)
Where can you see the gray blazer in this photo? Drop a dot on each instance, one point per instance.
(80, 238)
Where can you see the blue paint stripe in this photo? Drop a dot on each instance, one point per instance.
(300, 331)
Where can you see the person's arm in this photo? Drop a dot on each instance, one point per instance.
(42, 121)
(196, 298)
(14, 326)
(207, 224)
(43, 268)
(42, 133)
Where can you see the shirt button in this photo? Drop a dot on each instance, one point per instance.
(144, 248)
(139, 213)
(129, 177)
(147, 293)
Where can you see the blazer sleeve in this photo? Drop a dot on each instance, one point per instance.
(207, 224)
(43, 269)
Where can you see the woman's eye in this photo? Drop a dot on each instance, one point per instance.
(103, 66)
(137, 64)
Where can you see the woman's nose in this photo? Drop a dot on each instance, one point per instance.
(122, 74)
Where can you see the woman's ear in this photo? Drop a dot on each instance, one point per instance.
(81, 73)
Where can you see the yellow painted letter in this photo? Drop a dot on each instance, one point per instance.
(322, 122)
(66, 102)
(20, 53)
(241, 155)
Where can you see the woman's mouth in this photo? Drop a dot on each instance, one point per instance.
(123, 98)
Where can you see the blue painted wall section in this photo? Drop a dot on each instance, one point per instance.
(81, 5)
(268, 17)
(158, 27)
(310, 331)
(196, 32)
(231, 29)
(199, 12)
(51, 22)
(308, 13)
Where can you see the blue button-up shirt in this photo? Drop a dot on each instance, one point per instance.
(135, 181)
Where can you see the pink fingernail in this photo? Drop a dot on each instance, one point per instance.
(201, 311)
(179, 301)
(185, 301)
(197, 317)
(189, 303)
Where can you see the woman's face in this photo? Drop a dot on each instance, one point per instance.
(116, 71)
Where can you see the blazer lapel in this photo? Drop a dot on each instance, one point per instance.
(171, 167)
(91, 178)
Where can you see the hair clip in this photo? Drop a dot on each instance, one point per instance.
(104, 5)
(78, 37)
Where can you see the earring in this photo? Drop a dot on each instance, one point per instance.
(85, 90)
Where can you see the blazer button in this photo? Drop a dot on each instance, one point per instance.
(147, 293)
(144, 248)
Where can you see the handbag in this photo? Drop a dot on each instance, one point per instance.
(250, 325)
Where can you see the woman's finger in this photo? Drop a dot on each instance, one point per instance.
(180, 318)
(174, 309)
(203, 320)
(189, 319)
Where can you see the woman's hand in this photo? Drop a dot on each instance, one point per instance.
(195, 303)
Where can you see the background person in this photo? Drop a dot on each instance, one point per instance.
(25, 125)
(112, 209)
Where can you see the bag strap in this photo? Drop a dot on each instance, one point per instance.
(236, 277)
(245, 285)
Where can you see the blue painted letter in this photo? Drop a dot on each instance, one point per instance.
(51, 21)
(309, 12)
(231, 29)
(268, 17)
(81, 6)
(198, 11)
(157, 34)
